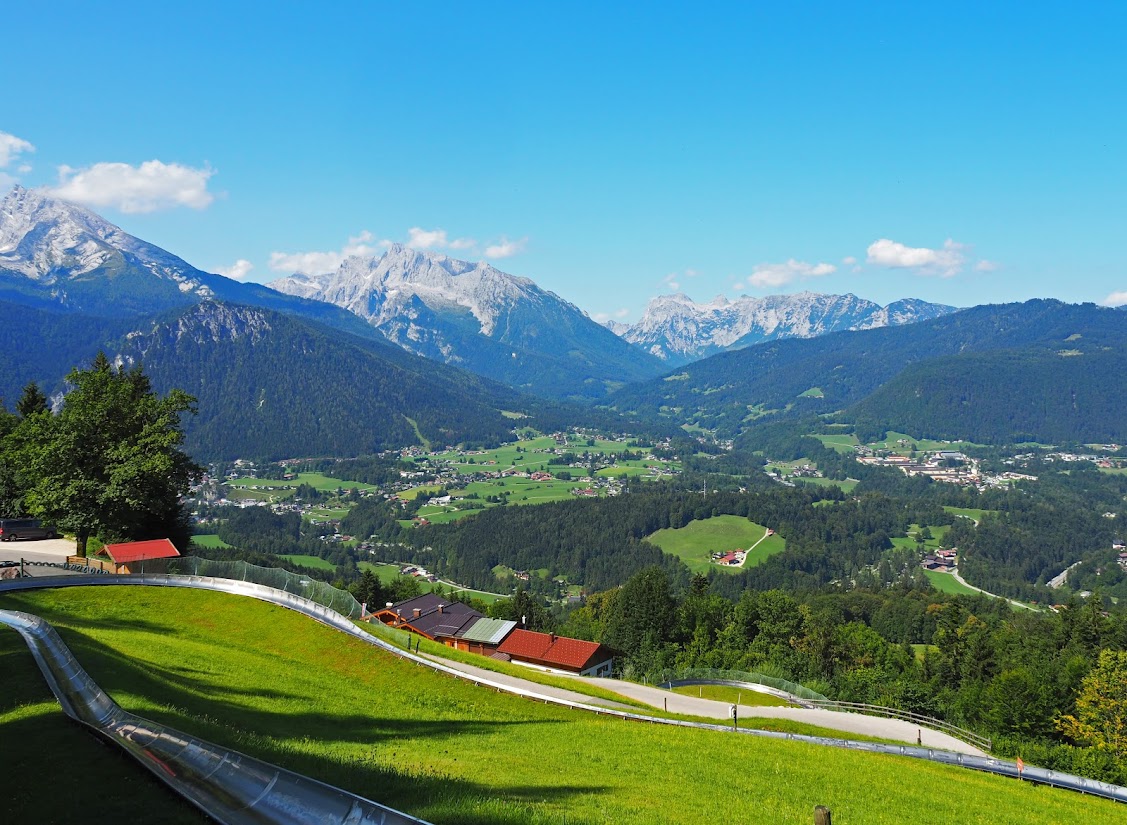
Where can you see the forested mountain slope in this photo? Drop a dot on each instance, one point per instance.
(729, 392)
(272, 386)
(1046, 394)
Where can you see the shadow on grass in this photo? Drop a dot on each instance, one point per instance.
(194, 706)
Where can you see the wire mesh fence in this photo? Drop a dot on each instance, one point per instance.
(712, 674)
(323, 594)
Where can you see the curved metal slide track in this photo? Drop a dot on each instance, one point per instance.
(228, 786)
(322, 614)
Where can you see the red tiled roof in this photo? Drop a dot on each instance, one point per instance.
(552, 650)
(136, 550)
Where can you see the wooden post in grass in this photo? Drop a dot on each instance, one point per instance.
(822, 815)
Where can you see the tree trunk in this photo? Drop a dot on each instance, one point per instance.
(80, 544)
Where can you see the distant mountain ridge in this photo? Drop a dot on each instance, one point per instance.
(61, 257)
(679, 330)
(736, 391)
(477, 317)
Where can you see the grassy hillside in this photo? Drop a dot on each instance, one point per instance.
(279, 686)
(695, 543)
(29, 713)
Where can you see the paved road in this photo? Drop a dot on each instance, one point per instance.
(854, 723)
(48, 550)
(964, 583)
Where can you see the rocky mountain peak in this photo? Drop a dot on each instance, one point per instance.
(678, 330)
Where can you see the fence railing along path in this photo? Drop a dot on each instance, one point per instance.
(330, 617)
(893, 713)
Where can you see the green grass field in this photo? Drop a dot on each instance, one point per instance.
(733, 695)
(847, 485)
(316, 562)
(892, 441)
(283, 488)
(921, 650)
(208, 540)
(272, 683)
(946, 583)
(839, 443)
(534, 454)
(696, 541)
(520, 491)
(969, 512)
(29, 713)
(909, 542)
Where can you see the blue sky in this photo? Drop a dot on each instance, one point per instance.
(961, 153)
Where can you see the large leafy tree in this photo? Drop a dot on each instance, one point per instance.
(1101, 707)
(110, 462)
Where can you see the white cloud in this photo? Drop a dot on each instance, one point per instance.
(418, 238)
(617, 315)
(777, 275)
(505, 248)
(238, 270)
(986, 266)
(12, 147)
(425, 239)
(1115, 299)
(673, 279)
(849, 260)
(944, 262)
(318, 263)
(150, 187)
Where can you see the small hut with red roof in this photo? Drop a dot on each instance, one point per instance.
(141, 556)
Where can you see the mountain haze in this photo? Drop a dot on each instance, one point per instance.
(474, 316)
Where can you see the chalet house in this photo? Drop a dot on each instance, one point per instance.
(556, 653)
(431, 616)
(483, 637)
(940, 564)
(141, 556)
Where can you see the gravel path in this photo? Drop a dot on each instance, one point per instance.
(854, 723)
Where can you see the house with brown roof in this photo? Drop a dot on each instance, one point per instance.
(431, 616)
(558, 653)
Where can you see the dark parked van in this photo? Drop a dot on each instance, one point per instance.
(24, 528)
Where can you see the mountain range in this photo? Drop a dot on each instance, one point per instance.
(414, 347)
(61, 257)
(1030, 365)
(474, 316)
(677, 330)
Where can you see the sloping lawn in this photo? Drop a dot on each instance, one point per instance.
(275, 684)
